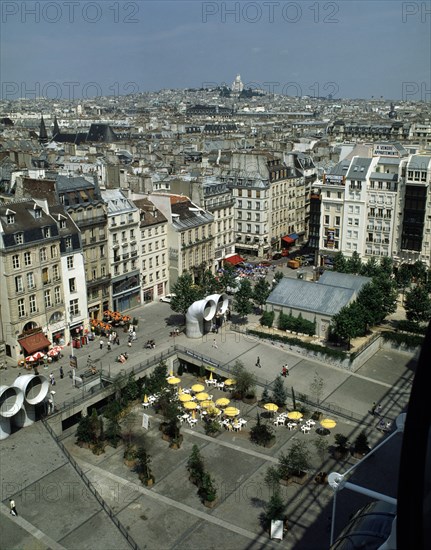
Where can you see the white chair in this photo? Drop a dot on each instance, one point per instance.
(310, 423)
(146, 405)
(291, 425)
(305, 429)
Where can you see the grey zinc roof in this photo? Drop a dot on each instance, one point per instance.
(343, 280)
(358, 168)
(339, 169)
(382, 176)
(419, 162)
(308, 296)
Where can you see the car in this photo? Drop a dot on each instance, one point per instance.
(167, 298)
(277, 256)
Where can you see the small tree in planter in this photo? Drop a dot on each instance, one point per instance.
(279, 393)
(341, 446)
(360, 445)
(245, 381)
(85, 433)
(129, 455)
(142, 467)
(293, 466)
(208, 491)
(317, 387)
(274, 509)
(321, 445)
(272, 478)
(262, 434)
(212, 427)
(265, 396)
(113, 432)
(195, 466)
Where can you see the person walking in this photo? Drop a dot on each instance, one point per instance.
(258, 363)
(108, 345)
(373, 408)
(215, 344)
(52, 379)
(61, 372)
(101, 343)
(12, 507)
(284, 371)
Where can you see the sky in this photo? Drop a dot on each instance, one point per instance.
(349, 49)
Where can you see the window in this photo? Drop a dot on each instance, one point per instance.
(57, 295)
(46, 232)
(21, 307)
(19, 287)
(70, 262)
(239, 204)
(249, 205)
(326, 220)
(54, 251)
(72, 284)
(10, 218)
(32, 303)
(27, 258)
(328, 194)
(30, 280)
(68, 243)
(19, 238)
(73, 307)
(45, 276)
(47, 298)
(62, 224)
(356, 222)
(42, 254)
(102, 251)
(38, 213)
(337, 220)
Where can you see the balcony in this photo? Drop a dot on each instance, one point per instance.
(134, 253)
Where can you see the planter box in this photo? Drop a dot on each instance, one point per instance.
(210, 503)
(286, 481)
(300, 479)
(355, 454)
(130, 463)
(250, 400)
(339, 455)
(166, 437)
(148, 482)
(270, 443)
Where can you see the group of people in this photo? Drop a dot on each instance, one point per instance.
(150, 344)
(285, 370)
(122, 358)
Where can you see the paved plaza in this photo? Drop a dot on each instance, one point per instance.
(57, 510)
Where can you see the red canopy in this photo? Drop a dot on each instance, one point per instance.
(288, 239)
(234, 260)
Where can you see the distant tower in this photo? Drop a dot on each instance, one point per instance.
(43, 136)
(56, 129)
(237, 85)
(392, 113)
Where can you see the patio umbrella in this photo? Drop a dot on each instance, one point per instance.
(190, 405)
(185, 397)
(56, 348)
(30, 359)
(38, 355)
(328, 423)
(211, 375)
(194, 414)
(202, 396)
(145, 398)
(180, 391)
(174, 380)
(214, 411)
(294, 415)
(198, 387)
(231, 411)
(206, 404)
(271, 407)
(52, 353)
(222, 402)
(230, 382)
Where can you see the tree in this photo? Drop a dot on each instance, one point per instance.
(370, 268)
(322, 446)
(417, 304)
(85, 432)
(275, 507)
(387, 265)
(186, 293)
(143, 465)
(242, 299)
(195, 464)
(378, 299)
(261, 434)
(157, 379)
(278, 276)
(317, 386)
(340, 262)
(360, 445)
(245, 380)
(265, 395)
(208, 490)
(272, 477)
(227, 277)
(113, 432)
(208, 283)
(296, 461)
(353, 264)
(261, 291)
(131, 390)
(279, 393)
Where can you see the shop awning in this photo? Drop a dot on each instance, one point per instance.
(294, 236)
(287, 239)
(34, 342)
(234, 260)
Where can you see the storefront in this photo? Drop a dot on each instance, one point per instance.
(33, 341)
(126, 293)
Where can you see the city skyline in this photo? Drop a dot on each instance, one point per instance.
(351, 50)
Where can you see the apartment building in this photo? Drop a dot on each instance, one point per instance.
(153, 255)
(33, 300)
(123, 249)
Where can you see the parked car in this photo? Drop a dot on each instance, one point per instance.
(277, 256)
(167, 298)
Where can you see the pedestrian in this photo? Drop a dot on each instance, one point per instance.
(133, 336)
(378, 410)
(101, 343)
(258, 363)
(117, 339)
(215, 344)
(61, 372)
(108, 345)
(52, 379)
(12, 507)
(284, 371)
(109, 338)
(373, 408)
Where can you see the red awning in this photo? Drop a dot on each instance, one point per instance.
(234, 260)
(34, 342)
(288, 239)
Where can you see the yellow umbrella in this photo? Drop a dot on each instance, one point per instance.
(174, 380)
(171, 373)
(230, 382)
(214, 411)
(206, 404)
(202, 396)
(272, 407)
(222, 402)
(190, 405)
(328, 423)
(211, 375)
(145, 398)
(231, 411)
(294, 415)
(180, 391)
(193, 413)
(184, 397)
(198, 387)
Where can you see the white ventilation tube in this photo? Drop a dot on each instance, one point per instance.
(198, 312)
(33, 386)
(11, 400)
(204, 310)
(26, 416)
